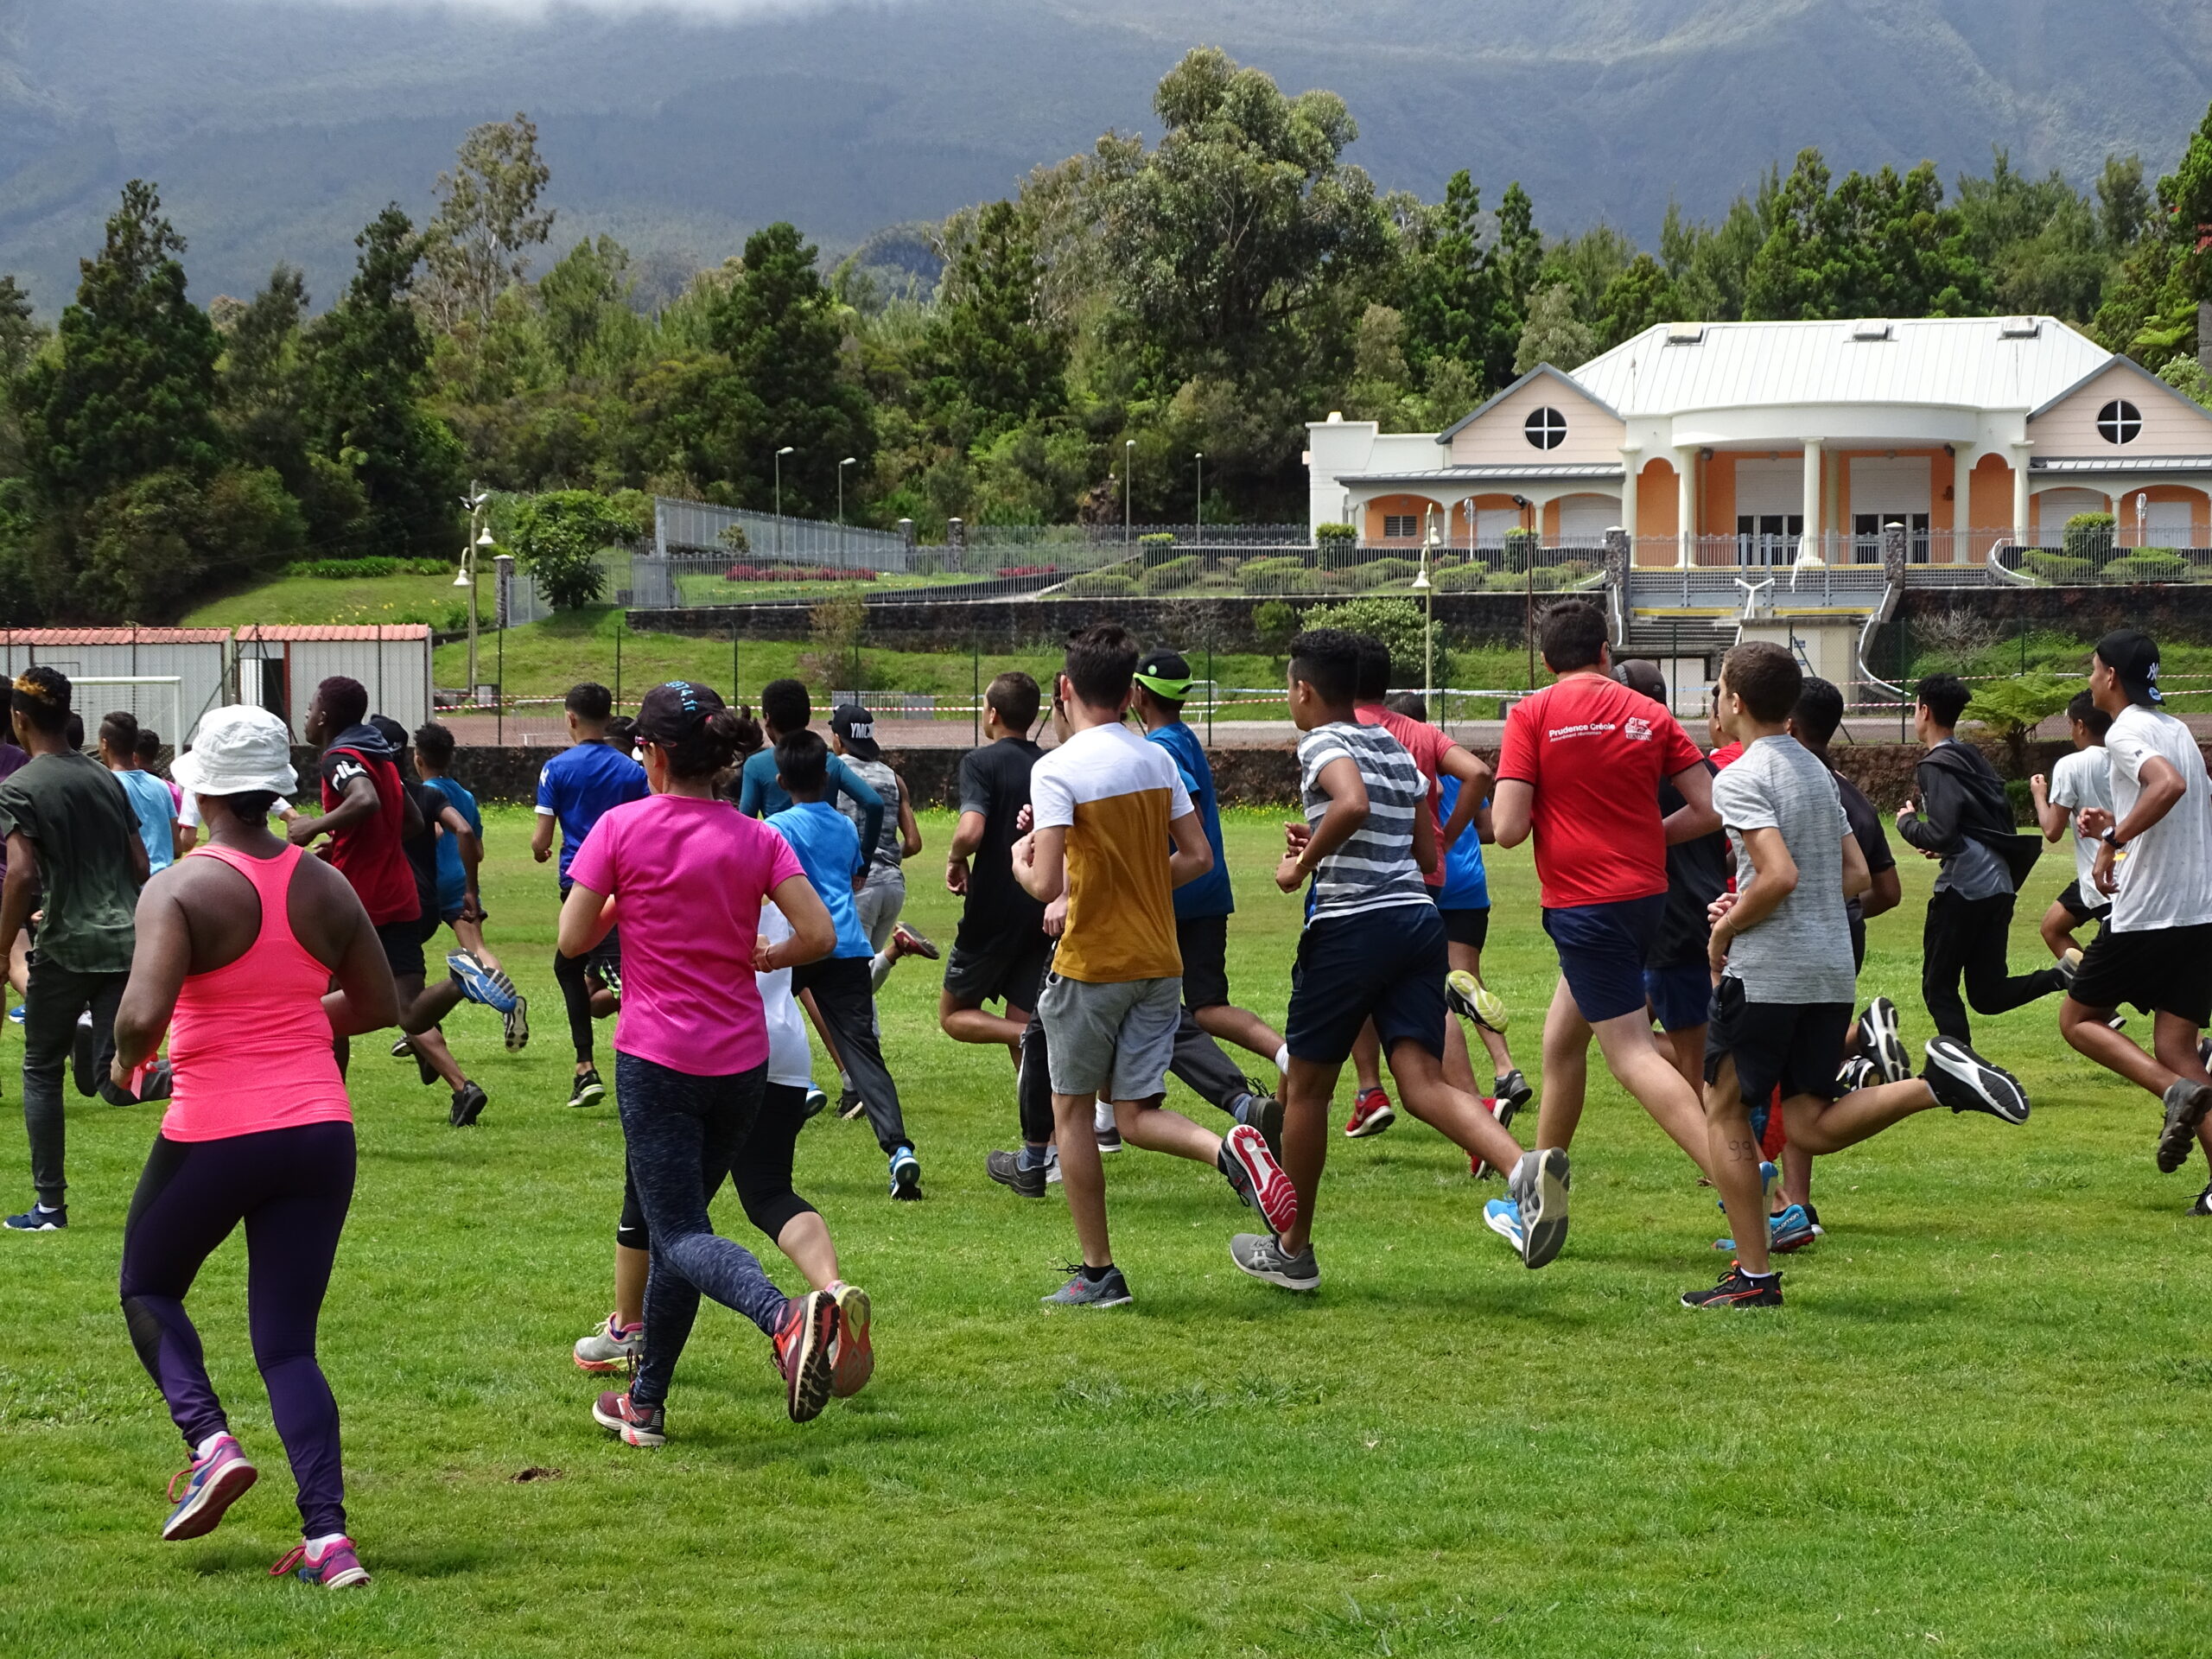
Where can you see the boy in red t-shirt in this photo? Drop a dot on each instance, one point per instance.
(1580, 769)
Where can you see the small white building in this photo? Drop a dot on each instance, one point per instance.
(166, 677)
(279, 667)
(1756, 443)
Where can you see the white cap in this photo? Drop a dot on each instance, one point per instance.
(238, 750)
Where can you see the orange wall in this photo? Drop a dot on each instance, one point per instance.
(1717, 508)
(1654, 510)
(1992, 503)
(1385, 506)
(2200, 519)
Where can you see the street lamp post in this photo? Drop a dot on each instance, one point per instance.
(1200, 520)
(1128, 477)
(849, 461)
(780, 454)
(474, 501)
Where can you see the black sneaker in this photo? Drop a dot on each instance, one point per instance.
(2186, 1104)
(40, 1219)
(84, 1060)
(1962, 1080)
(1264, 1113)
(422, 1067)
(589, 1090)
(1879, 1043)
(1514, 1087)
(1110, 1290)
(1737, 1289)
(1007, 1169)
(2203, 1205)
(468, 1103)
(1262, 1254)
(850, 1105)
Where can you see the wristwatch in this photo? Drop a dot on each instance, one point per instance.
(2110, 839)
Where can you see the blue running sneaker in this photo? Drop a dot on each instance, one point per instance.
(337, 1568)
(905, 1174)
(479, 984)
(1792, 1230)
(40, 1219)
(1503, 1216)
(15, 1013)
(1539, 1187)
(212, 1484)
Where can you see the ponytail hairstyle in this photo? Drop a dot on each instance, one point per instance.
(690, 724)
(751, 739)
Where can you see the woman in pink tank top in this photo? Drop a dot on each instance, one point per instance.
(239, 944)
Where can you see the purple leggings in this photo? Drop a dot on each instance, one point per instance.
(291, 1188)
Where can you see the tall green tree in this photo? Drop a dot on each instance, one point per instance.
(130, 389)
(488, 222)
(1243, 221)
(589, 325)
(1554, 333)
(989, 363)
(1879, 245)
(366, 379)
(1641, 294)
(1711, 264)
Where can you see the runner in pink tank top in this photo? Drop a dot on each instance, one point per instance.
(238, 947)
(250, 1043)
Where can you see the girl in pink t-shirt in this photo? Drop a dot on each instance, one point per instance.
(687, 873)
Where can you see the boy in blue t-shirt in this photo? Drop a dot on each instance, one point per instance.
(576, 787)
(459, 906)
(785, 708)
(828, 849)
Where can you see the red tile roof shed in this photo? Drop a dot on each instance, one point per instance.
(114, 636)
(386, 633)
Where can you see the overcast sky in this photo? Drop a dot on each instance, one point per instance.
(538, 9)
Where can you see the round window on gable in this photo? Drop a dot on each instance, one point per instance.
(2118, 421)
(1545, 427)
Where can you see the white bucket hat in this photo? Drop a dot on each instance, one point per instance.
(238, 750)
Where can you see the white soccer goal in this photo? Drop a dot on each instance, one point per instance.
(155, 699)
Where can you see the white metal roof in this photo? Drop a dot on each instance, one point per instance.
(1961, 362)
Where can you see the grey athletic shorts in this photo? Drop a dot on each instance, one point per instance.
(1114, 1039)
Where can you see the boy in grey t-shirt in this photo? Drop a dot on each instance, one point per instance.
(1782, 946)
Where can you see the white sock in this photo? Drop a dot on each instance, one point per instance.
(879, 969)
(207, 1445)
(1101, 1116)
(318, 1547)
(1282, 1059)
(844, 1080)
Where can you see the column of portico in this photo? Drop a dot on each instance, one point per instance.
(1631, 461)
(2021, 521)
(1812, 501)
(1963, 457)
(1686, 502)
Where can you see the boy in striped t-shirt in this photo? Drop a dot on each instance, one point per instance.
(1373, 947)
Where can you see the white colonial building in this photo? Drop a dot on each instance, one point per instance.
(1762, 443)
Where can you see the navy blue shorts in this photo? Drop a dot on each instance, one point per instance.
(1388, 964)
(1681, 996)
(1601, 952)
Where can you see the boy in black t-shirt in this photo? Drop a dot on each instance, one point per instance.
(999, 952)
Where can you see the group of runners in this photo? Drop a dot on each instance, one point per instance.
(755, 874)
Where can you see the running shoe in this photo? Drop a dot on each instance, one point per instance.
(906, 1173)
(402, 1050)
(1105, 1126)
(1879, 1039)
(1472, 1000)
(84, 1058)
(516, 1022)
(1052, 1166)
(1502, 1109)
(1370, 1114)
(2186, 1104)
(1962, 1080)
(1856, 1073)
(1513, 1086)
(2068, 965)
(850, 1105)
(805, 1347)
(853, 1362)
(2203, 1052)
(610, 977)
(424, 1069)
(15, 1013)
(40, 1219)
(1257, 1178)
(1026, 1180)
(2118, 1022)
(637, 1424)
(1790, 1230)
(613, 1347)
(339, 1566)
(1264, 1113)
(1737, 1289)
(912, 944)
(1538, 1185)
(816, 1104)
(2203, 1205)
(212, 1484)
(479, 984)
(1262, 1254)
(1503, 1216)
(1110, 1290)
(468, 1103)
(587, 1090)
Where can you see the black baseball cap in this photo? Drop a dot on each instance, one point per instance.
(856, 729)
(2133, 655)
(1165, 674)
(673, 710)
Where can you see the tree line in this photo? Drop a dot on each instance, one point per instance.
(1118, 315)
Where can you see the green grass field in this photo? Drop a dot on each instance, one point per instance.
(1977, 1428)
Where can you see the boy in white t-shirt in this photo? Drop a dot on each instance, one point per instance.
(2154, 860)
(2080, 781)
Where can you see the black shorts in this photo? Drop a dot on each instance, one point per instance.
(606, 954)
(1011, 967)
(2163, 970)
(403, 946)
(2077, 905)
(1467, 927)
(1796, 1046)
(1388, 964)
(1204, 941)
